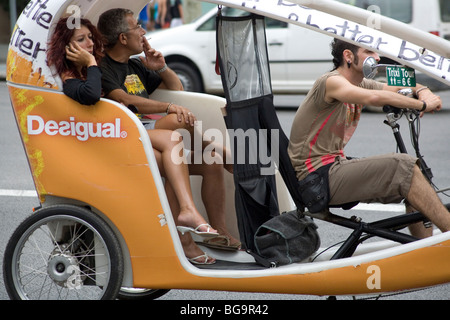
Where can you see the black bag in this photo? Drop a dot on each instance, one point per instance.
(288, 238)
(314, 190)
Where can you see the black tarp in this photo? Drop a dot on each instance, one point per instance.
(259, 145)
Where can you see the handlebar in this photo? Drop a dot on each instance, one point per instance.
(391, 109)
(398, 111)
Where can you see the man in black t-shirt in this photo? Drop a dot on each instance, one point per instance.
(131, 81)
(132, 77)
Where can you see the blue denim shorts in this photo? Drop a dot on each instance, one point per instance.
(149, 124)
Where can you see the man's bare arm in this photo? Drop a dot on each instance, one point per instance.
(338, 88)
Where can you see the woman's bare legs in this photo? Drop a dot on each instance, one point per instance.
(213, 185)
(213, 195)
(191, 250)
(177, 174)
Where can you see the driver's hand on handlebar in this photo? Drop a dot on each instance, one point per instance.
(434, 102)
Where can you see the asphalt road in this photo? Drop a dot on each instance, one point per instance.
(372, 137)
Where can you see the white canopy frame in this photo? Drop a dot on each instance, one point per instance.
(395, 40)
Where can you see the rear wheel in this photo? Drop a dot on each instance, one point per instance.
(63, 252)
(140, 294)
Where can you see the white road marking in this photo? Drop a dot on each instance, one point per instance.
(380, 207)
(362, 206)
(18, 193)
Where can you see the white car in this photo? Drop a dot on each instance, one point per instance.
(190, 50)
(298, 56)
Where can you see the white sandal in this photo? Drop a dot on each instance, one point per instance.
(206, 262)
(208, 234)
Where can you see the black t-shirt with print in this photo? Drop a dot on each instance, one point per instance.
(132, 77)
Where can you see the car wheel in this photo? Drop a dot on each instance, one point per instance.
(188, 75)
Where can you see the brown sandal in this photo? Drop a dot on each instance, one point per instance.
(222, 243)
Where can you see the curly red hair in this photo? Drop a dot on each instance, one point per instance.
(61, 37)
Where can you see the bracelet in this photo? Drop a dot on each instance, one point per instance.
(168, 107)
(162, 69)
(424, 106)
(421, 89)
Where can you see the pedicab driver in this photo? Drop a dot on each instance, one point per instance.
(326, 121)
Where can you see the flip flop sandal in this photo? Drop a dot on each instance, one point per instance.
(208, 234)
(208, 260)
(221, 242)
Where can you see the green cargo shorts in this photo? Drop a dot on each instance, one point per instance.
(384, 179)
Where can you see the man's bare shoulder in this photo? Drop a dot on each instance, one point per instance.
(335, 78)
(335, 85)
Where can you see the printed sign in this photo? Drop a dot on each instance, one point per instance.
(81, 130)
(26, 61)
(400, 76)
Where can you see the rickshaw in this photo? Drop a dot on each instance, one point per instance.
(104, 227)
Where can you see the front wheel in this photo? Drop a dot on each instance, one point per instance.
(63, 252)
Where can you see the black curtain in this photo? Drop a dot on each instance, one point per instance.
(259, 145)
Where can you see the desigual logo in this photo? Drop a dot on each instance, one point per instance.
(81, 130)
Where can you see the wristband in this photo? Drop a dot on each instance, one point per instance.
(421, 89)
(168, 107)
(162, 69)
(424, 106)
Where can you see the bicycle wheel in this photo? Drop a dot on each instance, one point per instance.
(63, 252)
(140, 294)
